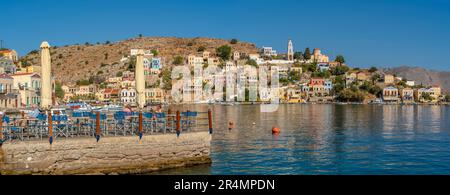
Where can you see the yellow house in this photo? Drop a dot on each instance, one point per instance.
(388, 79)
(192, 60)
(100, 95)
(127, 83)
(206, 54)
(362, 76)
(154, 95)
(86, 90)
(28, 85)
(33, 69)
(114, 79)
(213, 61)
(434, 92)
(10, 54)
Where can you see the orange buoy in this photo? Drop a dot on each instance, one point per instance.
(275, 130)
(230, 125)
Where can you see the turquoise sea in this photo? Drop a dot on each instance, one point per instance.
(328, 139)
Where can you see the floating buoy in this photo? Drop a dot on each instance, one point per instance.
(230, 125)
(275, 130)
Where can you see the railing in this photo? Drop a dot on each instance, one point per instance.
(85, 124)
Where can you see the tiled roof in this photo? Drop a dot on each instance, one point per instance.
(5, 76)
(5, 51)
(22, 74)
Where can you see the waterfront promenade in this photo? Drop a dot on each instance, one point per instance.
(111, 155)
(105, 143)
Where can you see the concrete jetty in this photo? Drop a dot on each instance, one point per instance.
(112, 155)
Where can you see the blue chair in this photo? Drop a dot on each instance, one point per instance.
(77, 114)
(42, 117)
(161, 115)
(148, 115)
(6, 119)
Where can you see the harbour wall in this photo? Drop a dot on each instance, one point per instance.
(111, 155)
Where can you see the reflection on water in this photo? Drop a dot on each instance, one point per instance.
(328, 139)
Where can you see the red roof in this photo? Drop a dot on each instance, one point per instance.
(5, 76)
(5, 51)
(21, 74)
(27, 73)
(112, 91)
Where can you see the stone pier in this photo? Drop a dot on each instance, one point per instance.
(111, 155)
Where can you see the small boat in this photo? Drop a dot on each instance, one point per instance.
(80, 106)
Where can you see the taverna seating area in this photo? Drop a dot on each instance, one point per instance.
(83, 124)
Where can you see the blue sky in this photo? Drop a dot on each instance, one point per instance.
(384, 33)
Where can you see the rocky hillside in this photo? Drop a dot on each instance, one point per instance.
(77, 62)
(424, 76)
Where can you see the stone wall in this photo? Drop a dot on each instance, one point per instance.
(111, 155)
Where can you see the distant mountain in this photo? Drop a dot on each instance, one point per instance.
(72, 63)
(422, 75)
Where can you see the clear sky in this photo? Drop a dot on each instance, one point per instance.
(384, 33)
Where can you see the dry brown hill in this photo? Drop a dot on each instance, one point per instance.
(78, 62)
(423, 76)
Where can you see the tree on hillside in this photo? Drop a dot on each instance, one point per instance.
(224, 52)
(307, 54)
(375, 90)
(294, 76)
(339, 70)
(131, 63)
(154, 52)
(234, 41)
(350, 95)
(373, 69)
(427, 97)
(298, 55)
(375, 78)
(340, 59)
(178, 60)
(83, 82)
(24, 63)
(166, 76)
(251, 62)
(339, 84)
(119, 74)
(58, 90)
(321, 74)
(201, 49)
(311, 67)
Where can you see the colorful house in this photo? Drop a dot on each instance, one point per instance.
(29, 87)
(9, 98)
(390, 94)
(407, 95)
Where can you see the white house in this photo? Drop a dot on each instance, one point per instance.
(128, 96)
